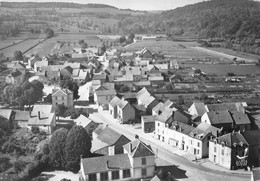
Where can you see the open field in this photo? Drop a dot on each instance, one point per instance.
(5, 43)
(239, 54)
(47, 46)
(221, 52)
(181, 50)
(8, 52)
(223, 69)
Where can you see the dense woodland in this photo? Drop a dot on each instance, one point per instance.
(237, 22)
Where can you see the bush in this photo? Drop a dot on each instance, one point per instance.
(35, 130)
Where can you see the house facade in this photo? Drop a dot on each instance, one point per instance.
(137, 162)
(125, 112)
(62, 96)
(229, 151)
(112, 107)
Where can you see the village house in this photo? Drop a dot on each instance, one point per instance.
(103, 97)
(8, 114)
(100, 76)
(219, 119)
(198, 143)
(15, 77)
(144, 53)
(229, 151)
(177, 135)
(86, 123)
(159, 108)
(162, 123)
(82, 76)
(109, 142)
(112, 107)
(62, 96)
(253, 139)
(156, 80)
(137, 162)
(144, 97)
(148, 123)
(21, 118)
(126, 80)
(125, 112)
(42, 117)
(241, 121)
(39, 64)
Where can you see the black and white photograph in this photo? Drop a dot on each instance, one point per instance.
(130, 90)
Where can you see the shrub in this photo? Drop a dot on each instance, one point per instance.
(35, 130)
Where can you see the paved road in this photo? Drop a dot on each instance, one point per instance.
(193, 170)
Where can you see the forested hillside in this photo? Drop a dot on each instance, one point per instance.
(235, 21)
(52, 5)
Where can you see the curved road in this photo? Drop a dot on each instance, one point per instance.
(205, 173)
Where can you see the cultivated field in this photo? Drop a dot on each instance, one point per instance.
(223, 69)
(24, 46)
(63, 42)
(181, 50)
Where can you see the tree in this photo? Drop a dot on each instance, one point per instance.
(49, 32)
(60, 110)
(19, 166)
(18, 55)
(71, 85)
(78, 144)
(122, 39)
(57, 148)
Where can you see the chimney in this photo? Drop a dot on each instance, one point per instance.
(30, 113)
(39, 115)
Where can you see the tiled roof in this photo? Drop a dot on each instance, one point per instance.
(200, 107)
(44, 109)
(138, 148)
(105, 92)
(21, 115)
(6, 113)
(158, 107)
(220, 117)
(181, 116)
(73, 65)
(106, 163)
(83, 121)
(148, 100)
(114, 101)
(252, 137)
(157, 78)
(150, 118)
(209, 128)
(100, 76)
(109, 136)
(198, 133)
(122, 104)
(44, 120)
(225, 106)
(232, 139)
(142, 83)
(142, 92)
(164, 116)
(240, 117)
(62, 91)
(181, 127)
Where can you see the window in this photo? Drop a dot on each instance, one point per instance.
(104, 176)
(215, 149)
(222, 152)
(158, 124)
(191, 142)
(198, 144)
(115, 175)
(92, 177)
(62, 98)
(144, 172)
(198, 151)
(143, 161)
(126, 173)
